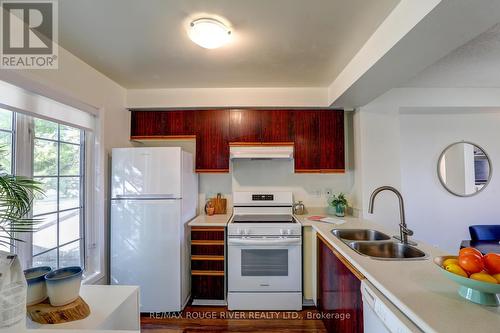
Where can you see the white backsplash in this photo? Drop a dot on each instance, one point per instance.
(278, 175)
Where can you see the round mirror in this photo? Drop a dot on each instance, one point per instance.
(464, 169)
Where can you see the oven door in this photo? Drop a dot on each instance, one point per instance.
(263, 264)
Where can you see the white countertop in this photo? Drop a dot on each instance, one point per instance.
(113, 309)
(417, 288)
(219, 220)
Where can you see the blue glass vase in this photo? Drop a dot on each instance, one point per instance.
(340, 210)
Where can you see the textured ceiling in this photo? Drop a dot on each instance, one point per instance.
(143, 44)
(476, 64)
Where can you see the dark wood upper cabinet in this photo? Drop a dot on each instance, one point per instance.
(307, 141)
(245, 126)
(317, 135)
(331, 134)
(146, 124)
(319, 141)
(180, 123)
(338, 291)
(278, 126)
(212, 140)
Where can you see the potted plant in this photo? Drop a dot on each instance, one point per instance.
(339, 203)
(16, 200)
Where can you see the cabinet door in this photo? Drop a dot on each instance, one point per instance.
(278, 126)
(179, 123)
(157, 124)
(145, 123)
(331, 131)
(307, 141)
(338, 293)
(245, 126)
(212, 134)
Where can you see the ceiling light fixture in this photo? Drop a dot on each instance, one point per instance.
(209, 33)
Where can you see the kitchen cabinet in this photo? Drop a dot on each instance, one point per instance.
(212, 140)
(278, 126)
(245, 126)
(207, 264)
(317, 135)
(307, 148)
(319, 141)
(339, 293)
(162, 124)
(331, 140)
(145, 123)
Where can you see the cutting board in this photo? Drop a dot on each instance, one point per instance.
(219, 203)
(44, 313)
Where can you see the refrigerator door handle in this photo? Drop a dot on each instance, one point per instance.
(146, 196)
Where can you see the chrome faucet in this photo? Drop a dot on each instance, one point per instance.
(404, 232)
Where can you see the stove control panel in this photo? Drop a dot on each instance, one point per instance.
(262, 197)
(242, 232)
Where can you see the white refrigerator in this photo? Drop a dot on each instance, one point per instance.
(154, 193)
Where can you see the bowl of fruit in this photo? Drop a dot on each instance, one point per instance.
(478, 275)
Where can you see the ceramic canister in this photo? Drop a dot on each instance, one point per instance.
(63, 285)
(35, 277)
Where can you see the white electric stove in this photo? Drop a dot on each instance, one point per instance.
(264, 253)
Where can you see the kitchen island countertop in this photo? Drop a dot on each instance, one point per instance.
(417, 288)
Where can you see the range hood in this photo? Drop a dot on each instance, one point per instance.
(261, 152)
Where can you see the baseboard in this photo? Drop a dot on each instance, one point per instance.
(308, 302)
(209, 302)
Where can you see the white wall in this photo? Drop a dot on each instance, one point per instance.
(434, 214)
(77, 84)
(279, 176)
(228, 97)
(382, 160)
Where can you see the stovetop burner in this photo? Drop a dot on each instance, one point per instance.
(263, 218)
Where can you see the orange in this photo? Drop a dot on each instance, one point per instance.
(471, 263)
(492, 263)
(485, 277)
(470, 250)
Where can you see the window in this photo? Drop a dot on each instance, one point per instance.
(58, 164)
(6, 157)
(6, 141)
(57, 145)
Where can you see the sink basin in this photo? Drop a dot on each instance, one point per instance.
(387, 250)
(359, 235)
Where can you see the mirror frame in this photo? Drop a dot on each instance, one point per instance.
(444, 184)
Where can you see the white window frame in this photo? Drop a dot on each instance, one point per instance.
(82, 197)
(41, 101)
(23, 152)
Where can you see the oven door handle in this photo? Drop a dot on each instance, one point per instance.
(265, 241)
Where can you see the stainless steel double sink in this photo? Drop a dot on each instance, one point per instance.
(377, 245)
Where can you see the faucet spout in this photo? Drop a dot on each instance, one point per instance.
(404, 232)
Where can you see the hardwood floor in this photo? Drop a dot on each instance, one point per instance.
(219, 319)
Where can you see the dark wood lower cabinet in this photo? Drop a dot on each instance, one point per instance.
(207, 287)
(339, 294)
(208, 263)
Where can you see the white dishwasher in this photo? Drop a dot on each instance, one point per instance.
(380, 315)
